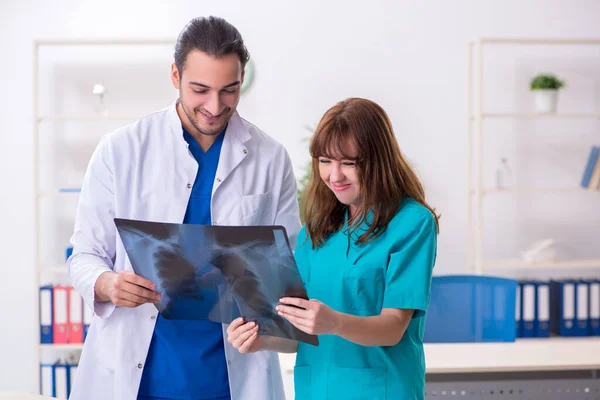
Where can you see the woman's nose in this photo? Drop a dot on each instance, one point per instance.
(336, 174)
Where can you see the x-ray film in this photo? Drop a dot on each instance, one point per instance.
(217, 273)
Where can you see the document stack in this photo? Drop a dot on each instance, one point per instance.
(559, 307)
(64, 318)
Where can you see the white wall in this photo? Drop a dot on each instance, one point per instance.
(408, 56)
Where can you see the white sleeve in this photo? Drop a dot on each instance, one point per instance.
(288, 213)
(94, 235)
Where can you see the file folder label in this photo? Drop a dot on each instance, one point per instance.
(519, 327)
(595, 301)
(568, 304)
(46, 334)
(582, 302)
(47, 380)
(46, 311)
(543, 303)
(60, 311)
(528, 302)
(72, 376)
(75, 317)
(528, 313)
(60, 376)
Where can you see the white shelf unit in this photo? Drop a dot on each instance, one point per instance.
(44, 270)
(475, 188)
(548, 354)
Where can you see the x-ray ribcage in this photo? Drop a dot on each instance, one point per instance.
(217, 273)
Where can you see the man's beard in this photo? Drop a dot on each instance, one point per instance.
(212, 132)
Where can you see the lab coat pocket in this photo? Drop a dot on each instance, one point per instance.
(104, 345)
(254, 208)
(302, 382)
(363, 290)
(356, 383)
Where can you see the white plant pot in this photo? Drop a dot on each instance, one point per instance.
(545, 100)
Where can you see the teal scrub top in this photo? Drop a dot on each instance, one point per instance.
(392, 271)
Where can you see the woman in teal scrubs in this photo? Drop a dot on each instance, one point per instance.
(366, 256)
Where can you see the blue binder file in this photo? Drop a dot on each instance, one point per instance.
(542, 309)
(582, 305)
(518, 310)
(68, 252)
(562, 297)
(71, 374)
(61, 381)
(46, 315)
(47, 380)
(528, 312)
(591, 164)
(595, 307)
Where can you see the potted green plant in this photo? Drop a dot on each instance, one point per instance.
(545, 87)
(302, 182)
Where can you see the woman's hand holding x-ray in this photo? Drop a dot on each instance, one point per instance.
(313, 317)
(244, 336)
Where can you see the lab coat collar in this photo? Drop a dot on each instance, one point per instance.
(236, 130)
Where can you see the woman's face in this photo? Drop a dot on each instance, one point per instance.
(341, 177)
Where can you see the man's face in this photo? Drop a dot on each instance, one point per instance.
(209, 89)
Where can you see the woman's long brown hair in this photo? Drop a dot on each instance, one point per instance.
(385, 176)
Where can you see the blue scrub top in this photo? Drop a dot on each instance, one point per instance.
(392, 271)
(186, 359)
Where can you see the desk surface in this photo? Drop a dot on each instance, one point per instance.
(550, 354)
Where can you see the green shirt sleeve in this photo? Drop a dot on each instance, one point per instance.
(408, 276)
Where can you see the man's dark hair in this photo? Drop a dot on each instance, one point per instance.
(211, 35)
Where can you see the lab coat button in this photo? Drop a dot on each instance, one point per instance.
(218, 179)
(228, 362)
(153, 317)
(245, 151)
(140, 365)
(189, 185)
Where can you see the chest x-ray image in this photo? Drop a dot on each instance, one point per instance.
(217, 273)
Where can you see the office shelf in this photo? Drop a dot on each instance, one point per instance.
(547, 354)
(532, 189)
(87, 118)
(533, 116)
(543, 354)
(517, 263)
(57, 272)
(53, 268)
(63, 347)
(57, 193)
(475, 139)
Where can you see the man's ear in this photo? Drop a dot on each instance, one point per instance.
(175, 76)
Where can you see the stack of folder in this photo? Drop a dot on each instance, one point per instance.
(558, 307)
(64, 318)
(57, 378)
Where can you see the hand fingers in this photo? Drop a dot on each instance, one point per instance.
(242, 338)
(245, 348)
(234, 325)
(126, 296)
(292, 311)
(301, 324)
(295, 301)
(148, 296)
(138, 280)
(235, 333)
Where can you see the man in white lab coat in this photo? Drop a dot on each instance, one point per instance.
(194, 162)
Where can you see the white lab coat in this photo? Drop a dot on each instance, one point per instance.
(145, 171)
